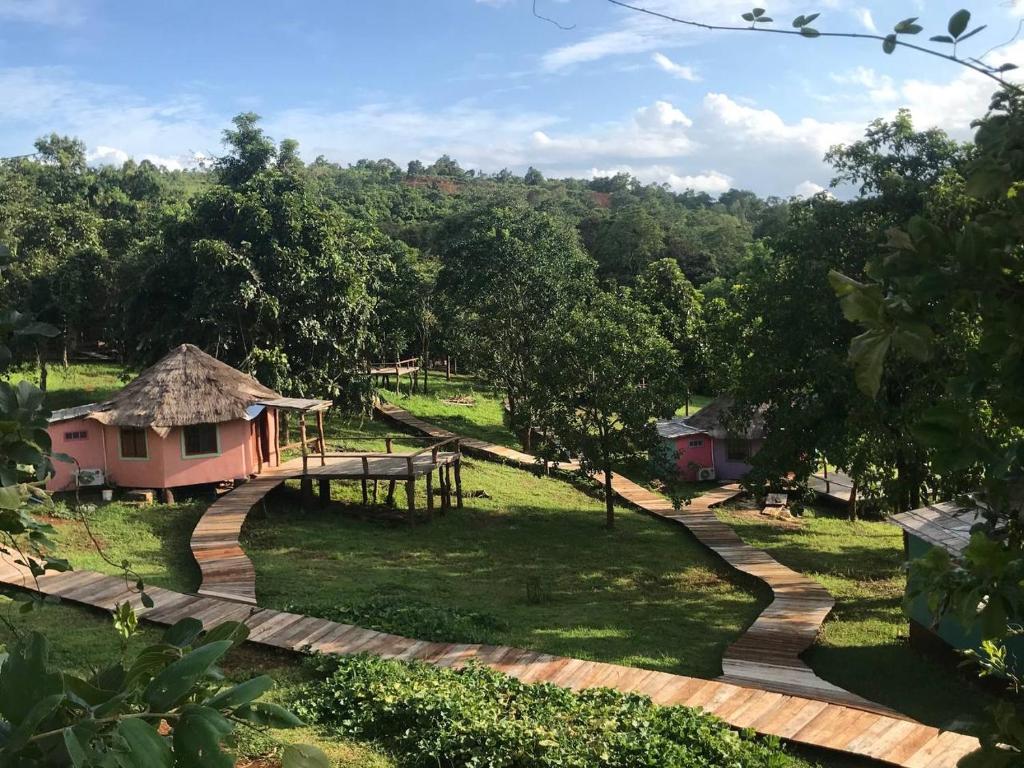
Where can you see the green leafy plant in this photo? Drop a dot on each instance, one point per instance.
(168, 705)
(476, 716)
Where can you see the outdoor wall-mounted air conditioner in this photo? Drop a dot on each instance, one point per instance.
(90, 477)
(706, 473)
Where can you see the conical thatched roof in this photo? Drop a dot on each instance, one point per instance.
(187, 386)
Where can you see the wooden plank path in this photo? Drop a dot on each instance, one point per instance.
(811, 722)
(767, 655)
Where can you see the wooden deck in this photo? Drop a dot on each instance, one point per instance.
(801, 720)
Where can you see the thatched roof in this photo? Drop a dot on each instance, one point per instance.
(187, 386)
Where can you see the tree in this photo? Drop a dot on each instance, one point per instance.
(533, 177)
(505, 271)
(249, 150)
(676, 306)
(934, 277)
(605, 374)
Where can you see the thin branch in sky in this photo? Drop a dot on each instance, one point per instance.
(549, 20)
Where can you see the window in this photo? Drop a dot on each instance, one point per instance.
(80, 434)
(200, 440)
(133, 443)
(737, 449)
(696, 443)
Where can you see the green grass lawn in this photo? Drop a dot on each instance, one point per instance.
(463, 404)
(863, 646)
(77, 384)
(644, 595)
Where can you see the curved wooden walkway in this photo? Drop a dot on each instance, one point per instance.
(810, 722)
(767, 655)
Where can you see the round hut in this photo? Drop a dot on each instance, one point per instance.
(187, 420)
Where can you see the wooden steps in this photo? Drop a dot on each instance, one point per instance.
(799, 719)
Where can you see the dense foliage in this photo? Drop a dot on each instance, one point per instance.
(475, 716)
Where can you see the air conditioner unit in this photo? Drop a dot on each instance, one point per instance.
(89, 477)
(706, 473)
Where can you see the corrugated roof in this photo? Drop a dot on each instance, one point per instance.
(676, 427)
(946, 524)
(77, 412)
(710, 420)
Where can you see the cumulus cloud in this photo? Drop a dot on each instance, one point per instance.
(681, 71)
(807, 188)
(878, 88)
(712, 182)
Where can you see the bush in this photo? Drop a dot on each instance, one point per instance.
(400, 615)
(477, 717)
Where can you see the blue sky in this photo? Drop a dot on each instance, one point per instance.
(483, 80)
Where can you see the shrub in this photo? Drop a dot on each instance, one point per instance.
(401, 615)
(477, 717)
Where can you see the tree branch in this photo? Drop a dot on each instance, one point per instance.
(974, 64)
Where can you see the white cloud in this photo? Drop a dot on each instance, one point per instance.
(635, 32)
(864, 16)
(807, 188)
(763, 126)
(712, 182)
(661, 115)
(55, 12)
(681, 71)
(878, 88)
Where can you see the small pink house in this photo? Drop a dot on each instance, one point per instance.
(704, 447)
(187, 420)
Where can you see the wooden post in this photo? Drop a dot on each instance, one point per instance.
(168, 495)
(410, 491)
(302, 437)
(366, 471)
(398, 379)
(320, 431)
(306, 484)
(375, 491)
(426, 373)
(287, 427)
(259, 448)
(415, 386)
(447, 486)
(390, 500)
(430, 492)
(325, 491)
(458, 479)
(447, 368)
(828, 485)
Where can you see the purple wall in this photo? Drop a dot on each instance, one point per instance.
(727, 469)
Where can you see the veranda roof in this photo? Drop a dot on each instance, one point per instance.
(946, 524)
(187, 386)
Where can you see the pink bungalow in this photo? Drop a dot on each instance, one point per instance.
(702, 447)
(188, 420)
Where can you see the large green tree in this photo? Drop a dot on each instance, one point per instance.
(606, 373)
(506, 271)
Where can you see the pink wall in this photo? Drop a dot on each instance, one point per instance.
(166, 466)
(701, 455)
(89, 451)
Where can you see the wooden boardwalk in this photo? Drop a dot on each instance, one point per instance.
(767, 655)
(805, 721)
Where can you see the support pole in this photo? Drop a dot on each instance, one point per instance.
(325, 491)
(430, 492)
(426, 373)
(320, 434)
(447, 486)
(302, 437)
(447, 368)
(366, 471)
(410, 490)
(306, 484)
(390, 500)
(458, 479)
